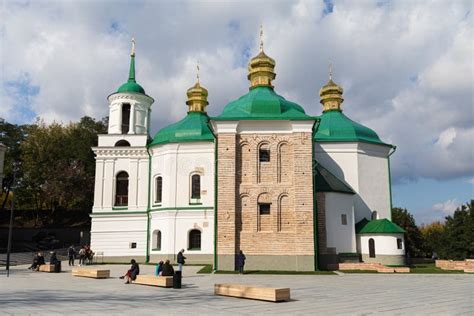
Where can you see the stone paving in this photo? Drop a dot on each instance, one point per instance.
(36, 293)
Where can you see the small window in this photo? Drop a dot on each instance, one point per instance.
(159, 189)
(133, 245)
(399, 243)
(264, 208)
(122, 143)
(264, 155)
(343, 219)
(194, 240)
(374, 215)
(156, 240)
(195, 186)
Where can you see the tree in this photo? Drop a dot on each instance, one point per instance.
(413, 237)
(434, 239)
(459, 232)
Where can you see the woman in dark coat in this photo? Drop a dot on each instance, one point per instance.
(131, 274)
(241, 261)
(167, 269)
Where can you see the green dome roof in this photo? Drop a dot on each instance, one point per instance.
(193, 128)
(262, 103)
(378, 226)
(131, 86)
(336, 127)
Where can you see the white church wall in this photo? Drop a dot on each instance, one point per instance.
(139, 109)
(175, 226)
(114, 235)
(385, 244)
(365, 168)
(176, 163)
(339, 236)
(109, 140)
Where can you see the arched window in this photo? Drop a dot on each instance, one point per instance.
(158, 189)
(195, 186)
(371, 248)
(121, 189)
(122, 143)
(374, 215)
(194, 240)
(156, 242)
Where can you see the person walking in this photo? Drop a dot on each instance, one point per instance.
(71, 253)
(181, 260)
(82, 256)
(241, 261)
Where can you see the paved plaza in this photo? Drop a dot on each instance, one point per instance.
(29, 293)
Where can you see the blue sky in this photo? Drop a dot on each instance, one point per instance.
(406, 68)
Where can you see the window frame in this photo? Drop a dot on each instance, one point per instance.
(266, 212)
(155, 200)
(194, 230)
(399, 243)
(118, 179)
(267, 155)
(195, 199)
(344, 219)
(157, 236)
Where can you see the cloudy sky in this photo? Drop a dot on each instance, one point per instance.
(406, 68)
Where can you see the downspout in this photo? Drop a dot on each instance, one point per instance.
(215, 197)
(390, 179)
(315, 200)
(147, 260)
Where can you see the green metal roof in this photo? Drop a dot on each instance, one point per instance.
(131, 85)
(325, 181)
(262, 103)
(336, 127)
(378, 226)
(193, 128)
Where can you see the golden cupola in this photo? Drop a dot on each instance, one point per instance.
(331, 95)
(197, 97)
(261, 68)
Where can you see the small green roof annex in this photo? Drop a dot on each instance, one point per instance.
(378, 226)
(193, 128)
(262, 103)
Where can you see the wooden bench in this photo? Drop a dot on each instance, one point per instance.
(91, 273)
(253, 292)
(46, 268)
(163, 281)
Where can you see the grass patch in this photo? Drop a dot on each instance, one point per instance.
(358, 271)
(280, 272)
(431, 268)
(206, 269)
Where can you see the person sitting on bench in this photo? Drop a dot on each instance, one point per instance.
(37, 261)
(159, 268)
(167, 269)
(53, 259)
(131, 274)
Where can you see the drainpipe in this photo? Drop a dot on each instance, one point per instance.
(315, 200)
(394, 148)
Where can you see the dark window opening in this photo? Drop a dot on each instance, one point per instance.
(125, 118)
(264, 155)
(399, 243)
(157, 240)
(121, 190)
(133, 245)
(159, 189)
(264, 208)
(344, 219)
(196, 186)
(122, 143)
(371, 248)
(194, 240)
(374, 215)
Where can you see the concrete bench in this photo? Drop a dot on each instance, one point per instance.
(163, 281)
(253, 292)
(91, 273)
(46, 268)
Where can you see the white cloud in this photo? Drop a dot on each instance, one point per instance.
(406, 67)
(447, 207)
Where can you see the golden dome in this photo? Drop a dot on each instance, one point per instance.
(197, 98)
(261, 68)
(331, 95)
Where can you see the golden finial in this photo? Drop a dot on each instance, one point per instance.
(197, 72)
(261, 38)
(133, 47)
(331, 94)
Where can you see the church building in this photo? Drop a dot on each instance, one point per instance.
(291, 190)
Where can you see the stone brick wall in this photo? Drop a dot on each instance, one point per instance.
(285, 181)
(466, 265)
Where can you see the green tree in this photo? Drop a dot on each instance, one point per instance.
(434, 239)
(413, 237)
(459, 232)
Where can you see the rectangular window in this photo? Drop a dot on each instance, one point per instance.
(133, 245)
(399, 243)
(196, 186)
(264, 208)
(343, 219)
(264, 155)
(159, 189)
(125, 118)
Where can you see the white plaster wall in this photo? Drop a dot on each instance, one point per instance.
(109, 140)
(341, 237)
(385, 244)
(139, 112)
(113, 234)
(175, 226)
(365, 168)
(175, 163)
